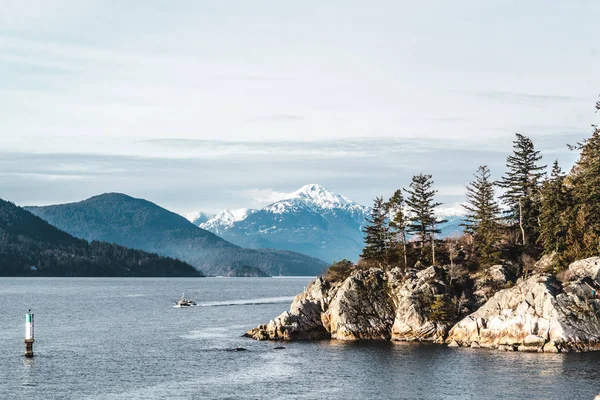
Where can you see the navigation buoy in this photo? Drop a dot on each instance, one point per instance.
(29, 339)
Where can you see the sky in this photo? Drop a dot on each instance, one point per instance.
(213, 104)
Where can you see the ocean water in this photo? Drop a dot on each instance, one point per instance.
(123, 339)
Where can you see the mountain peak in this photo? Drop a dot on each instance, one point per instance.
(320, 195)
(311, 190)
(111, 195)
(197, 217)
(234, 215)
(225, 219)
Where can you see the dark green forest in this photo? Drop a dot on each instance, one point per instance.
(29, 246)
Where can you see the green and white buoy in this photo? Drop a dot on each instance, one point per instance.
(29, 339)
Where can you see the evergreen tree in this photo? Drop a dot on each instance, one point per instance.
(397, 229)
(376, 233)
(482, 216)
(421, 206)
(521, 182)
(583, 236)
(554, 212)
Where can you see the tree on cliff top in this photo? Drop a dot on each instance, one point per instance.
(482, 216)
(397, 230)
(555, 207)
(376, 233)
(521, 182)
(421, 207)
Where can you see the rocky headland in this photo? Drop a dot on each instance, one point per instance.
(542, 313)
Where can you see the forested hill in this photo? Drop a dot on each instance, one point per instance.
(122, 219)
(141, 224)
(29, 246)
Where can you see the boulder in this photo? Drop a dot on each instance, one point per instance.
(488, 282)
(538, 314)
(590, 268)
(546, 264)
(497, 274)
(303, 321)
(412, 300)
(361, 309)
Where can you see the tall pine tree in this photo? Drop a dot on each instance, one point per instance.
(554, 212)
(421, 206)
(521, 183)
(376, 233)
(397, 229)
(482, 216)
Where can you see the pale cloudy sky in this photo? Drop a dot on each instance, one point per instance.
(227, 103)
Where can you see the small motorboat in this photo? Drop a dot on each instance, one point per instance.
(183, 302)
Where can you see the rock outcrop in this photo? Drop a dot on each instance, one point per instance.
(488, 282)
(539, 314)
(368, 305)
(413, 298)
(303, 321)
(361, 308)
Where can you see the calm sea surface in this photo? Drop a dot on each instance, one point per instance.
(122, 339)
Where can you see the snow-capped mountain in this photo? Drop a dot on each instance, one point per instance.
(225, 220)
(197, 217)
(311, 220)
(317, 198)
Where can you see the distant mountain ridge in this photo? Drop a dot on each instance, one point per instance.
(225, 220)
(140, 224)
(29, 246)
(198, 217)
(312, 220)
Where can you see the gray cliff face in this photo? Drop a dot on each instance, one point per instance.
(539, 314)
(303, 321)
(361, 308)
(411, 321)
(488, 282)
(368, 305)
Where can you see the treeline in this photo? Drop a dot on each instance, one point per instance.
(31, 247)
(536, 214)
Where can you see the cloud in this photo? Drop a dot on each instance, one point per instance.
(346, 147)
(530, 98)
(210, 175)
(206, 107)
(447, 119)
(44, 176)
(277, 118)
(262, 197)
(451, 191)
(450, 210)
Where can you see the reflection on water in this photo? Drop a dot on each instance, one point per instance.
(94, 341)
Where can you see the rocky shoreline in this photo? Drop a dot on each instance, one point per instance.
(539, 314)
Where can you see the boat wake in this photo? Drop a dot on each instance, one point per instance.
(248, 302)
